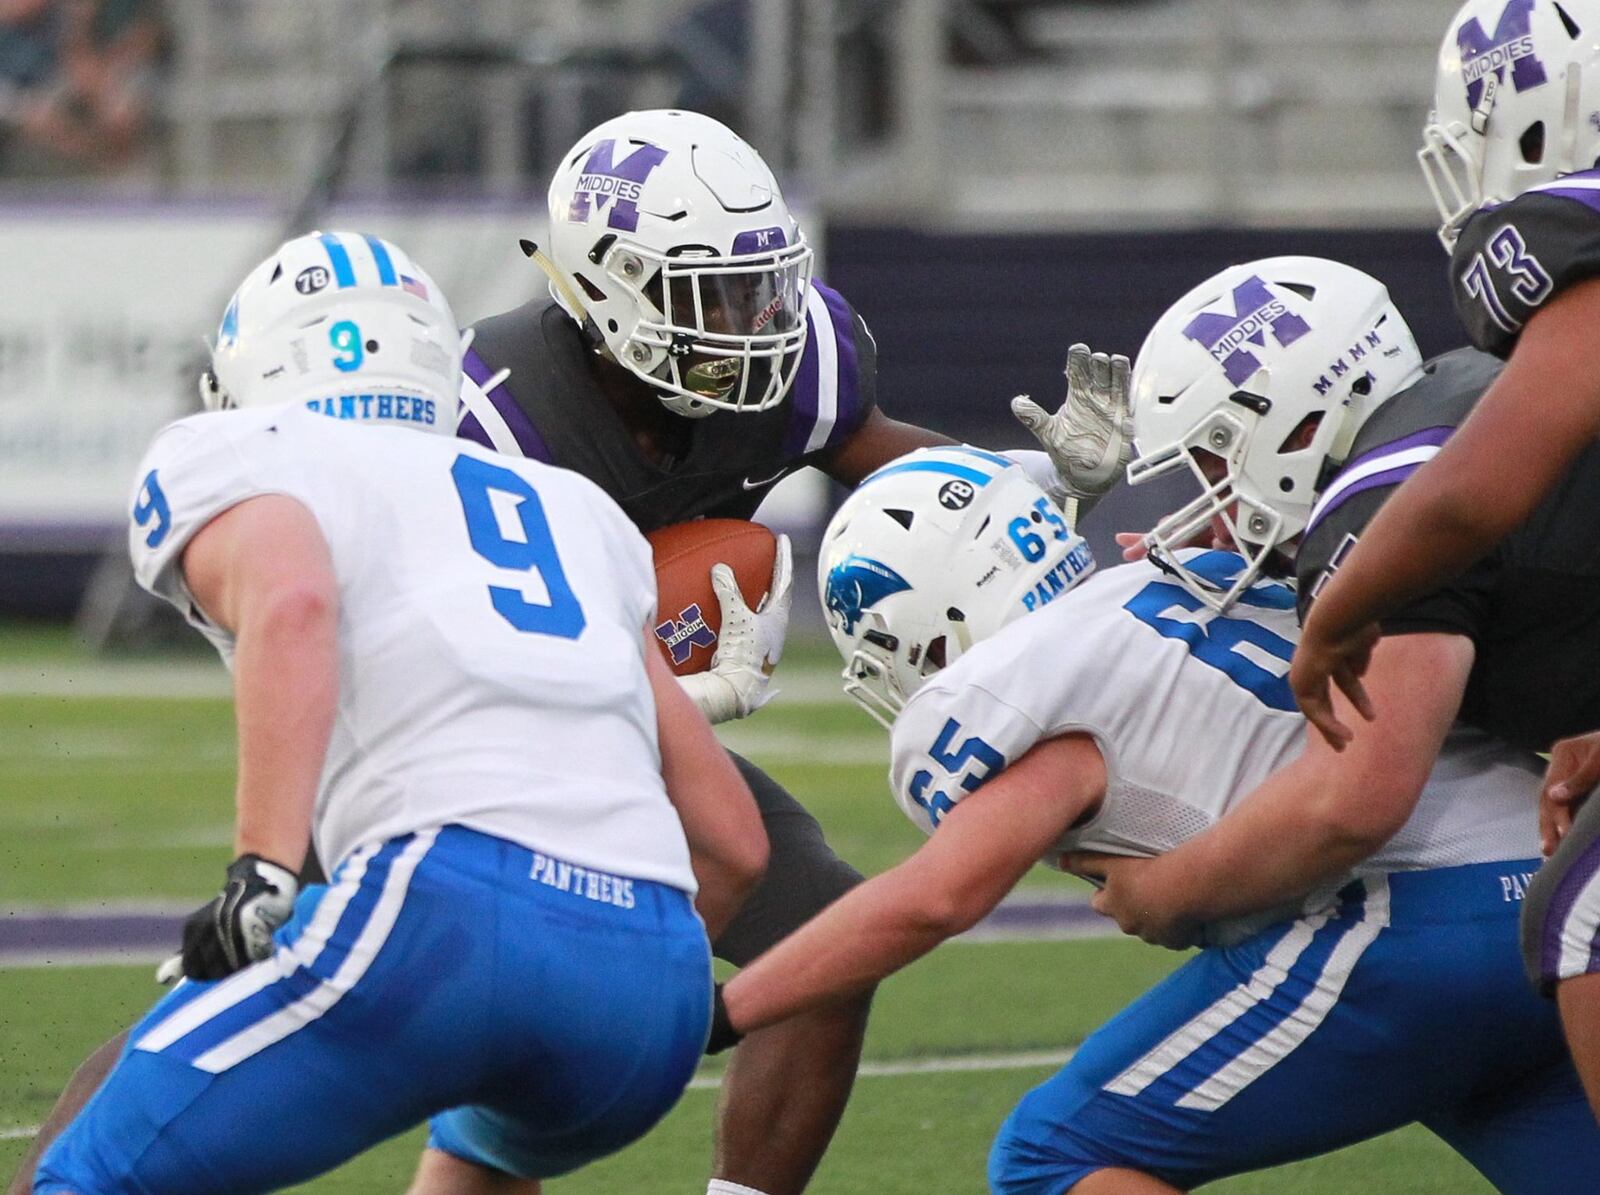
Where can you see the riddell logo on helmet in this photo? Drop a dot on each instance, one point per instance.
(605, 181)
(1256, 311)
(1511, 45)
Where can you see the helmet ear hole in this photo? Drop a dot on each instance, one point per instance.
(1531, 143)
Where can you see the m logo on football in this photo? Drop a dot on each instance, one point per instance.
(606, 181)
(1256, 312)
(683, 634)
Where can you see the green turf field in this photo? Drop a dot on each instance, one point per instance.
(109, 794)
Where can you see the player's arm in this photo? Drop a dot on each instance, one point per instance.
(874, 444)
(980, 850)
(1311, 820)
(727, 843)
(262, 572)
(1523, 436)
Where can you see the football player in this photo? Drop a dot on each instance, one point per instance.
(685, 360)
(1500, 648)
(1510, 152)
(413, 623)
(1037, 712)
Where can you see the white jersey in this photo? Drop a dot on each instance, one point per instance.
(1190, 714)
(491, 632)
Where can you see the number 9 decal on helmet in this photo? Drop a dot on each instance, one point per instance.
(345, 323)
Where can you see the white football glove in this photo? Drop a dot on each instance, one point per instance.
(1090, 437)
(748, 646)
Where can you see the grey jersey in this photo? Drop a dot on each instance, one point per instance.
(1531, 606)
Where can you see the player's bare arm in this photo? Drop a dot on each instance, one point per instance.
(727, 844)
(981, 850)
(262, 571)
(1310, 821)
(875, 443)
(1524, 434)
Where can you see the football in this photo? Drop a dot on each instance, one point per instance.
(688, 614)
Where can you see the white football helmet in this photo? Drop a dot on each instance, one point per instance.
(932, 553)
(1269, 369)
(672, 245)
(1516, 103)
(345, 323)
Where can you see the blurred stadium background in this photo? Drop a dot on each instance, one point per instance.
(988, 180)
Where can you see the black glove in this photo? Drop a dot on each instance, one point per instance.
(723, 1035)
(235, 929)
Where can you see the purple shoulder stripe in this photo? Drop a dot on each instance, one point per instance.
(802, 400)
(1428, 436)
(1590, 199)
(516, 420)
(1368, 472)
(848, 416)
(830, 407)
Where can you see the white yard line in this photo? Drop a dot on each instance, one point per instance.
(949, 1064)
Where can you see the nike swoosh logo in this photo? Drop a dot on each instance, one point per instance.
(756, 485)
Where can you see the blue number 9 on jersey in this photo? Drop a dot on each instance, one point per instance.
(533, 550)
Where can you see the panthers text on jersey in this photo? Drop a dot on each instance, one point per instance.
(550, 408)
(1531, 606)
(1190, 713)
(493, 611)
(1514, 257)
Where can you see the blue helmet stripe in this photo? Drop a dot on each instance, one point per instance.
(950, 468)
(994, 458)
(386, 274)
(343, 273)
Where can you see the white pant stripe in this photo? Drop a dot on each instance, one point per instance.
(827, 341)
(1179, 1045)
(1578, 931)
(240, 987)
(1289, 1034)
(308, 1008)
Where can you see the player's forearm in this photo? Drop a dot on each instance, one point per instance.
(286, 686)
(1284, 841)
(859, 940)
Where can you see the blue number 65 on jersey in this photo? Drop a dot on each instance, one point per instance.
(953, 760)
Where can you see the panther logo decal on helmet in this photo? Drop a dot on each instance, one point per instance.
(857, 584)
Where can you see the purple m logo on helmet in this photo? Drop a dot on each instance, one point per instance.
(605, 180)
(685, 633)
(1511, 45)
(1256, 311)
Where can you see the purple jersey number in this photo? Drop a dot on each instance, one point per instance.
(1530, 282)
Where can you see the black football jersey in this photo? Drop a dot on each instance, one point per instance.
(1531, 607)
(551, 408)
(1513, 258)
